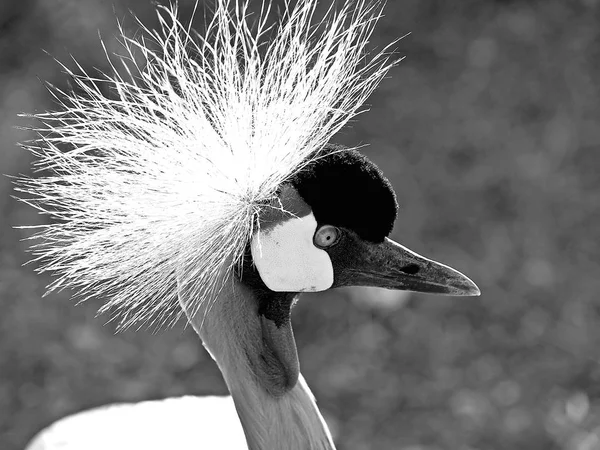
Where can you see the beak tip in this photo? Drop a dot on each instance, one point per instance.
(475, 292)
(470, 289)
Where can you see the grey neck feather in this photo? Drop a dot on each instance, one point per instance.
(230, 330)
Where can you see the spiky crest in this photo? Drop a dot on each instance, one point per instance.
(166, 174)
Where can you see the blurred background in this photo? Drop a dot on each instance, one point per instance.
(489, 132)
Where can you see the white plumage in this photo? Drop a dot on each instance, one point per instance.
(175, 423)
(168, 172)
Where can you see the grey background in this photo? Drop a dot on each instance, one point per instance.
(488, 131)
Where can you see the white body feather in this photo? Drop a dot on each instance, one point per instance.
(173, 167)
(175, 423)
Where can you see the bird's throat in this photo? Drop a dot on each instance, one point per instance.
(277, 367)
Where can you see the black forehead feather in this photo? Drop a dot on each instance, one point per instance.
(345, 189)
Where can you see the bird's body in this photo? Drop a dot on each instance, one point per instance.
(158, 424)
(208, 187)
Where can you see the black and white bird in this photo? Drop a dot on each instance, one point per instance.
(204, 184)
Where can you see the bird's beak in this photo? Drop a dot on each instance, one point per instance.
(393, 266)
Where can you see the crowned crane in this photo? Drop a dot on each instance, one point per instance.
(204, 184)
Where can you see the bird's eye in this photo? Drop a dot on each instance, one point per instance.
(326, 236)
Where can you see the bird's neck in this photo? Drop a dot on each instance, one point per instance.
(231, 333)
(292, 421)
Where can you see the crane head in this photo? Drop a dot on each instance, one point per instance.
(329, 228)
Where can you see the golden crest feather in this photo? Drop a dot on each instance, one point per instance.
(171, 168)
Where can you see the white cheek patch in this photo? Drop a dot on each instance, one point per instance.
(287, 259)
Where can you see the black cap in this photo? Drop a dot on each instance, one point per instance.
(345, 189)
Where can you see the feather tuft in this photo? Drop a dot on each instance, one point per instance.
(165, 164)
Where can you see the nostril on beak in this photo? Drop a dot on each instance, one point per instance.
(410, 269)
